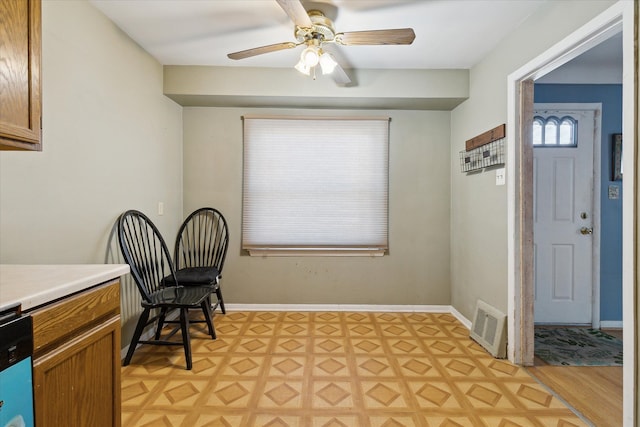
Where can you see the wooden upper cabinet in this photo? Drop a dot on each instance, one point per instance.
(20, 58)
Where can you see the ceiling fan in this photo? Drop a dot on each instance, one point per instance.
(313, 29)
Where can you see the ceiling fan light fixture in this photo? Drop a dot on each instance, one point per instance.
(327, 63)
(310, 56)
(303, 68)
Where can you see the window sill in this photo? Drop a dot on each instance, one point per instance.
(323, 252)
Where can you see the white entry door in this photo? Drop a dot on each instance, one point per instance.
(563, 215)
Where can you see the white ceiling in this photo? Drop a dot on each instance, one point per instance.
(602, 64)
(449, 33)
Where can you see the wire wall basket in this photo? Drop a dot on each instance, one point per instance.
(490, 154)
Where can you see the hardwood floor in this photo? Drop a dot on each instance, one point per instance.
(327, 369)
(594, 391)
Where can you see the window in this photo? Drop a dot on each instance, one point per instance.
(315, 186)
(555, 132)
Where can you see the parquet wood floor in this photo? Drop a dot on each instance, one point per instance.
(285, 369)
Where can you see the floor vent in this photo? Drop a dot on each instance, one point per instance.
(489, 329)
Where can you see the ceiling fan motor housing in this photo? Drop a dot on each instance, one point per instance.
(321, 30)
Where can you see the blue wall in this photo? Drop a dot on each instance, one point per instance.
(610, 95)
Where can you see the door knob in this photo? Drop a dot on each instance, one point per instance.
(586, 230)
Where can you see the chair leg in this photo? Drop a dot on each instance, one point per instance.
(220, 300)
(161, 317)
(142, 322)
(186, 339)
(212, 307)
(206, 309)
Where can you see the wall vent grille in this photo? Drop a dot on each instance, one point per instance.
(489, 329)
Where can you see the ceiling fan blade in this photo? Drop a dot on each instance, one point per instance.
(260, 50)
(296, 12)
(339, 76)
(376, 37)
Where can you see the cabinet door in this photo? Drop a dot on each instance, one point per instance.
(78, 383)
(20, 100)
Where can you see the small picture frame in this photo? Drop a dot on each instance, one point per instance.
(616, 156)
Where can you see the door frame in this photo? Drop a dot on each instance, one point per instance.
(620, 16)
(596, 189)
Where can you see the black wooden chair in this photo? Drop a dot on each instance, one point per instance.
(147, 254)
(200, 251)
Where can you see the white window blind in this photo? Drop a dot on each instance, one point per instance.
(315, 186)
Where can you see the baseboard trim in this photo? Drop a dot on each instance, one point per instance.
(341, 307)
(354, 307)
(371, 308)
(466, 322)
(611, 324)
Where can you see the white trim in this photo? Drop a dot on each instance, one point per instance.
(597, 217)
(619, 15)
(599, 29)
(309, 252)
(466, 322)
(611, 324)
(514, 338)
(629, 218)
(341, 307)
(354, 308)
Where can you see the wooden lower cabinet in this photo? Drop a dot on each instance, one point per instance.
(76, 377)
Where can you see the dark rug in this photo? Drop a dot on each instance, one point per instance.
(577, 347)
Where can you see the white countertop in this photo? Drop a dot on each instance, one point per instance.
(34, 285)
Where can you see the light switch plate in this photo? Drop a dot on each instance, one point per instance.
(614, 192)
(500, 176)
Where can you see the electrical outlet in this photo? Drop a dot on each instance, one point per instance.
(160, 208)
(500, 176)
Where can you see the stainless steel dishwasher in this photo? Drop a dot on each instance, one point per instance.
(16, 381)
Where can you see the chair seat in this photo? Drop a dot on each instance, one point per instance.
(200, 250)
(178, 296)
(194, 276)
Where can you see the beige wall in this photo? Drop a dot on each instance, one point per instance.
(415, 272)
(478, 206)
(111, 141)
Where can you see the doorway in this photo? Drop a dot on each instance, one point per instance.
(567, 234)
(619, 17)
